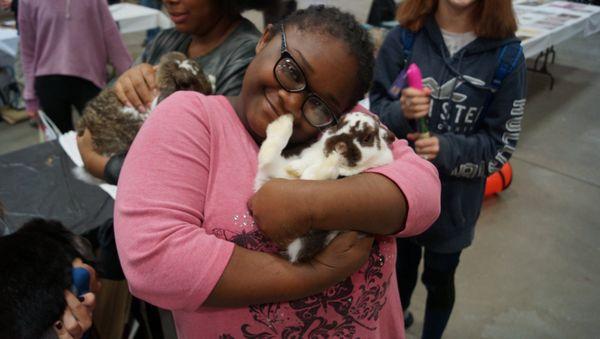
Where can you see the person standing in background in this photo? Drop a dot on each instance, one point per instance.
(212, 32)
(474, 97)
(65, 47)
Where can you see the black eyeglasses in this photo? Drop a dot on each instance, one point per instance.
(292, 79)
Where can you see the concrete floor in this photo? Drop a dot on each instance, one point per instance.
(534, 269)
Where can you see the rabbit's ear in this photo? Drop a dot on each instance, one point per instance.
(341, 147)
(388, 136)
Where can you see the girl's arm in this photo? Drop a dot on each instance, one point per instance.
(255, 277)
(402, 197)
(93, 162)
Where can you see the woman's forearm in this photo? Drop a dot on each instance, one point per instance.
(94, 163)
(367, 202)
(255, 278)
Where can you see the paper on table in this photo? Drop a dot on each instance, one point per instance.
(68, 142)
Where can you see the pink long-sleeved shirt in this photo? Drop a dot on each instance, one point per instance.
(68, 37)
(181, 209)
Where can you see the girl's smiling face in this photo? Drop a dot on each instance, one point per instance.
(329, 69)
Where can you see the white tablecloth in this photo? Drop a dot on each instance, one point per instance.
(68, 142)
(135, 18)
(8, 45)
(129, 17)
(546, 23)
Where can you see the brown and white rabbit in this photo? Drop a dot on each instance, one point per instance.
(114, 125)
(358, 142)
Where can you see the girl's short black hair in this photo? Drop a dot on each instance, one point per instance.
(238, 6)
(343, 26)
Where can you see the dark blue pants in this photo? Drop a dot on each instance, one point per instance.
(438, 278)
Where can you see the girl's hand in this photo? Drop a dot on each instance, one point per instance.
(93, 161)
(343, 256)
(426, 147)
(415, 103)
(137, 87)
(282, 210)
(84, 142)
(77, 318)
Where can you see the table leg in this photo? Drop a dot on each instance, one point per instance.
(543, 68)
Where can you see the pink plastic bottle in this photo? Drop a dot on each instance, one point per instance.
(414, 79)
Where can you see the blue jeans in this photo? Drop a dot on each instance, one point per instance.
(151, 33)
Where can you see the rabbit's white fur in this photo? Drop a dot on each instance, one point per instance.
(357, 143)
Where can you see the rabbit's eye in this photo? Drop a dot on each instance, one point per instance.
(367, 138)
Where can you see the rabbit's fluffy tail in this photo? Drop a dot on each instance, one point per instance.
(81, 174)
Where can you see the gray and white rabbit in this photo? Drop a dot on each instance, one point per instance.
(114, 125)
(358, 142)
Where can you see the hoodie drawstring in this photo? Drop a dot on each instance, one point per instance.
(457, 79)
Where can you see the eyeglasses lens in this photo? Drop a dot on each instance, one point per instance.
(316, 112)
(289, 75)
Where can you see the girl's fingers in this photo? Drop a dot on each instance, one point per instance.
(149, 74)
(420, 100)
(428, 156)
(413, 92)
(61, 331)
(421, 107)
(142, 90)
(80, 312)
(131, 94)
(427, 150)
(427, 144)
(420, 113)
(412, 136)
(71, 325)
(120, 92)
(89, 301)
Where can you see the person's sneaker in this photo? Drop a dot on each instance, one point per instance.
(408, 319)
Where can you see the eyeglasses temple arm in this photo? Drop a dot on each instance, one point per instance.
(283, 42)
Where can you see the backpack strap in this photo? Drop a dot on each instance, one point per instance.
(408, 39)
(508, 58)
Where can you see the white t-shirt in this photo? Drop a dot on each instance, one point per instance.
(456, 41)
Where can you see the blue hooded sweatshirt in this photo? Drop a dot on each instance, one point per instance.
(477, 124)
